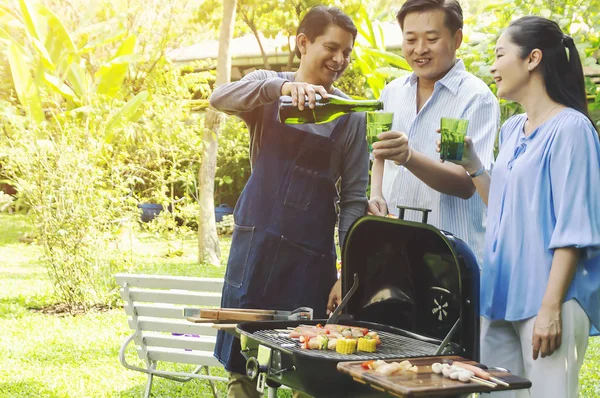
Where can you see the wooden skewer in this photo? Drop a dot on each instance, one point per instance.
(498, 381)
(483, 382)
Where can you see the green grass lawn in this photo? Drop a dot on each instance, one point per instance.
(77, 356)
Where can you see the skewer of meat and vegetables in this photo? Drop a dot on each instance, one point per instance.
(339, 338)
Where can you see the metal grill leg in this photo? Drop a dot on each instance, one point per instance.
(272, 392)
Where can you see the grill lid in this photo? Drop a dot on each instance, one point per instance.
(414, 277)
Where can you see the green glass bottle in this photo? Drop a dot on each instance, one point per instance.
(325, 110)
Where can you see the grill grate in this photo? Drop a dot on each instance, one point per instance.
(392, 346)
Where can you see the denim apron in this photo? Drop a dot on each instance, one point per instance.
(282, 252)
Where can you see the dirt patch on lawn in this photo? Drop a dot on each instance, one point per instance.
(61, 309)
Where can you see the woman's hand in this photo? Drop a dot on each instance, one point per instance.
(302, 92)
(377, 206)
(547, 331)
(470, 161)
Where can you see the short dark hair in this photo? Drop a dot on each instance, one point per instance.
(562, 73)
(452, 9)
(316, 21)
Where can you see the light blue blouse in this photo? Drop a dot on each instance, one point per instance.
(544, 194)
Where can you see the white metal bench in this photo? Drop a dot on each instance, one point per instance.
(154, 307)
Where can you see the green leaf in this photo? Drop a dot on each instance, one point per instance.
(86, 109)
(124, 115)
(60, 88)
(110, 76)
(5, 10)
(4, 35)
(590, 86)
(61, 46)
(391, 71)
(103, 40)
(393, 59)
(380, 42)
(78, 78)
(43, 53)
(197, 104)
(127, 47)
(493, 6)
(369, 23)
(58, 29)
(27, 91)
(30, 19)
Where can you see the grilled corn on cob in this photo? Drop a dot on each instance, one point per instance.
(367, 344)
(345, 346)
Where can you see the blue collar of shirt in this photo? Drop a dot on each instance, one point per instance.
(451, 80)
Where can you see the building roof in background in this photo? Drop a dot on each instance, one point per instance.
(247, 46)
(246, 52)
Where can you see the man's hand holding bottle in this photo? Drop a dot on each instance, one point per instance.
(307, 92)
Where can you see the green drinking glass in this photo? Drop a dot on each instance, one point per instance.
(453, 133)
(377, 122)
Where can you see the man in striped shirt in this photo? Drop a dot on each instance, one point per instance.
(439, 86)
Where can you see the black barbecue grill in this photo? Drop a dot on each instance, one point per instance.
(415, 283)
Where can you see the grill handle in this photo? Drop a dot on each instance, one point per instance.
(336, 313)
(424, 211)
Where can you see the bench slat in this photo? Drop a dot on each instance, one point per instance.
(202, 299)
(181, 356)
(171, 282)
(202, 343)
(172, 326)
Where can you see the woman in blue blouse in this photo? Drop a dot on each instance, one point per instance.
(540, 283)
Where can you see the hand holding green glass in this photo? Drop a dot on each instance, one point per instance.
(377, 122)
(453, 133)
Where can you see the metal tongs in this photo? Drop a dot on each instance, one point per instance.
(224, 315)
(335, 315)
(446, 340)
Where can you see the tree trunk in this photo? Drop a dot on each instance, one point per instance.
(262, 50)
(208, 241)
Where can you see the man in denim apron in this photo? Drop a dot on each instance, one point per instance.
(283, 252)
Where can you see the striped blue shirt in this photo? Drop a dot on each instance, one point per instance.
(458, 94)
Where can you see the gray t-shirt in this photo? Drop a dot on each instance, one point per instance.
(350, 158)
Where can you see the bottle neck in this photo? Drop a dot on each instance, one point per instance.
(334, 99)
(367, 108)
